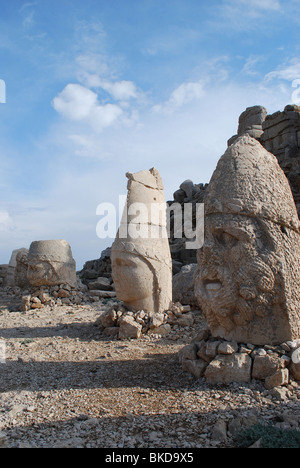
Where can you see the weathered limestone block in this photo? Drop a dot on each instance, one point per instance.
(281, 377)
(248, 277)
(108, 319)
(189, 352)
(228, 369)
(100, 284)
(25, 303)
(295, 370)
(50, 263)
(129, 328)
(140, 255)
(266, 366)
(162, 330)
(196, 368)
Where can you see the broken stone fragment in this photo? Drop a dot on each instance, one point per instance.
(266, 366)
(228, 348)
(108, 319)
(162, 330)
(280, 378)
(129, 328)
(189, 352)
(157, 320)
(228, 369)
(102, 284)
(25, 303)
(196, 368)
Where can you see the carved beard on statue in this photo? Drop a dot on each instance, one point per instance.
(238, 282)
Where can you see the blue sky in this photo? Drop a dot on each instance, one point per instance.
(96, 88)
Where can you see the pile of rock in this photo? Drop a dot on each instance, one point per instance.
(52, 297)
(64, 294)
(224, 362)
(94, 269)
(187, 193)
(123, 324)
(281, 136)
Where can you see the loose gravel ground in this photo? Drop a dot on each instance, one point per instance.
(66, 384)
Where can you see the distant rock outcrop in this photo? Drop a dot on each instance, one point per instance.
(279, 133)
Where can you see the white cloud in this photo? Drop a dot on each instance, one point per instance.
(120, 90)
(184, 94)
(95, 73)
(6, 222)
(78, 103)
(75, 102)
(288, 71)
(252, 7)
(273, 5)
(250, 65)
(241, 15)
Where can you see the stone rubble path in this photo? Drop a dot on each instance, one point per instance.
(66, 384)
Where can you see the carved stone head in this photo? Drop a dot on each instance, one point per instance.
(141, 265)
(51, 263)
(248, 277)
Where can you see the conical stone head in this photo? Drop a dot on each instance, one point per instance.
(248, 277)
(141, 259)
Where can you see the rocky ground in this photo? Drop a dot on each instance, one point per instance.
(66, 384)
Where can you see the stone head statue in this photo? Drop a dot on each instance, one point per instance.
(248, 277)
(51, 263)
(141, 264)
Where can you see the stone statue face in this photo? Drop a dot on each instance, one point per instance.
(133, 279)
(247, 282)
(237, 283)
(142, 265)
(51, 263)
(41, 271)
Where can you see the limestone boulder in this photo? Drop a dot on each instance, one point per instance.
(228, 369)
(266, 366)
(129, 328)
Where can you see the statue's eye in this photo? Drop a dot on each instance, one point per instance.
(226, 239)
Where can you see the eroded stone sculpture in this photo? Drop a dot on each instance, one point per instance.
(140, 255)
(248, 277)
(50, 263)
(21, 269)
